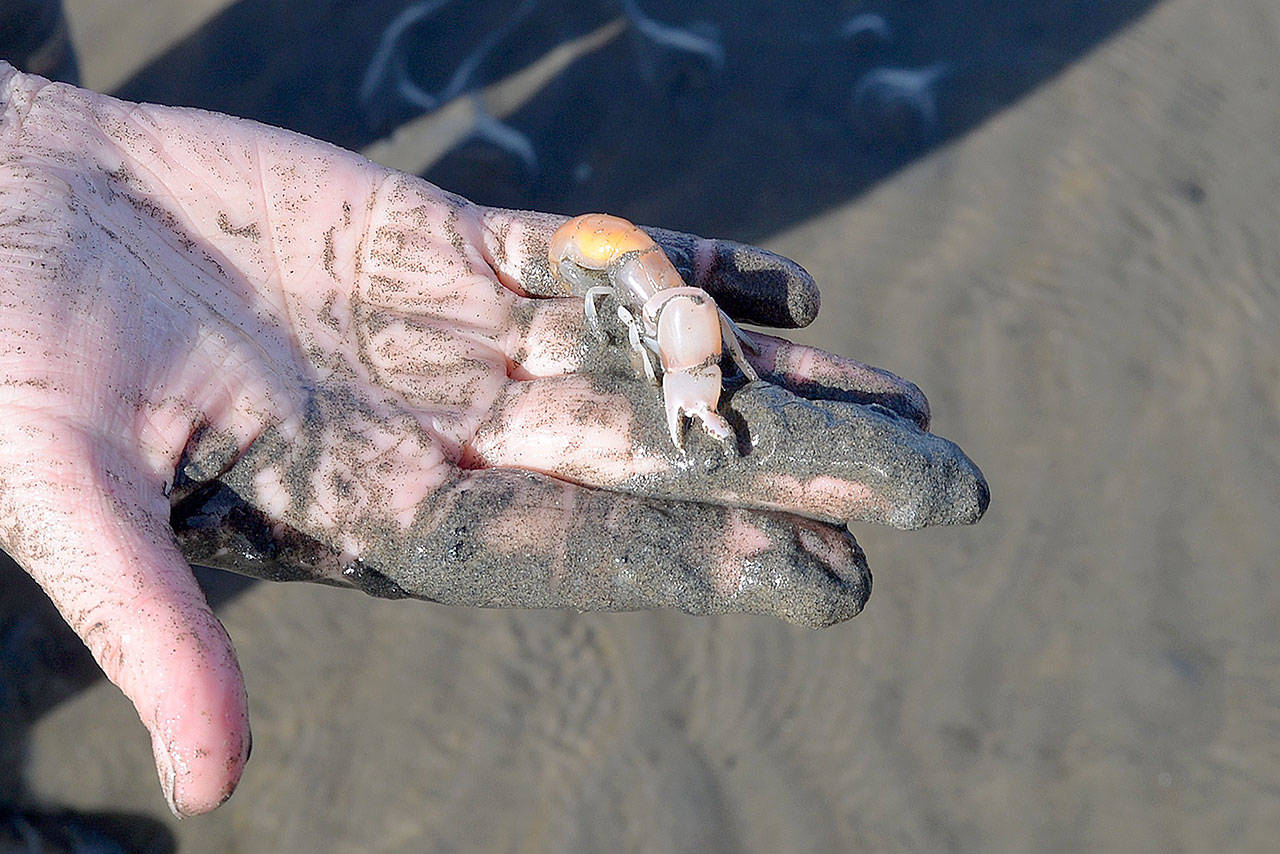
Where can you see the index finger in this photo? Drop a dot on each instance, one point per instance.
(750, 284)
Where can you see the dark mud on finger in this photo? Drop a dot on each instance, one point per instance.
(503, 538)
(834, 460)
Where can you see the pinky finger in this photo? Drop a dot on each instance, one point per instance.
(498, 538)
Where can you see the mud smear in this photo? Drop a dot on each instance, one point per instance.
(785, 443)
(862, 439)
(606, 552)
(508, 538)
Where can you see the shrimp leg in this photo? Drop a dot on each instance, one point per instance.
(735, 338)
(589, 308)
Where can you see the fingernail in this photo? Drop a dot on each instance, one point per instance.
(166, 769)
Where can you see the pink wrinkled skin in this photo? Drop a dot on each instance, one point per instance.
(177, 282)
(126, 326)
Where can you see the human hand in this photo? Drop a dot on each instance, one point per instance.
(327, 370)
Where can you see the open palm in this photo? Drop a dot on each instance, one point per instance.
(324, 369)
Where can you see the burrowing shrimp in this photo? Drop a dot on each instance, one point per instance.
(678, 323)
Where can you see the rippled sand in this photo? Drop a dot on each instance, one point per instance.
(1085, 285)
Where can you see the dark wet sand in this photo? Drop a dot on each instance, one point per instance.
(1085, 285)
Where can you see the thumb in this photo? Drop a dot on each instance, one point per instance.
(96, 537)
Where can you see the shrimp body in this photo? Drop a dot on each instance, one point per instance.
(679, 324)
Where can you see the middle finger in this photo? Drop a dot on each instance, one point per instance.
(831, 460)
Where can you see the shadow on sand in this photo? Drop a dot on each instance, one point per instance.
(751, 117)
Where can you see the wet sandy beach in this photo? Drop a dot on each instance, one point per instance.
(1070, 245)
